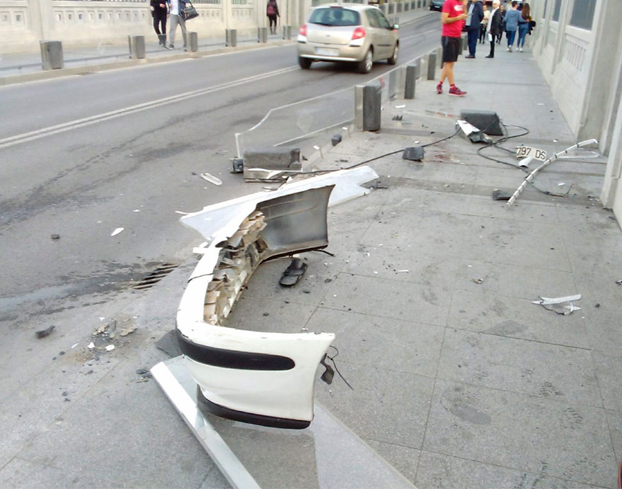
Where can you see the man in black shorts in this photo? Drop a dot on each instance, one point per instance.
(452, 18)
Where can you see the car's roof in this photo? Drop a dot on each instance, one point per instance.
(350, 6)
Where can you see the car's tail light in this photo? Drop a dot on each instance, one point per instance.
(303, 30)
(359, 33)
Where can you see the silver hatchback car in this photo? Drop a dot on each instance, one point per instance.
(348, 32)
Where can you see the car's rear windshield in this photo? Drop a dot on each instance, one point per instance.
(335, 17)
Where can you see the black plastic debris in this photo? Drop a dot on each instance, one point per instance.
(237, 165)
(398, 117)
(336, 139)
(501, 195)
(619, 282)
(293, 273)
(413, 153)
(44, 332)
(55, 236)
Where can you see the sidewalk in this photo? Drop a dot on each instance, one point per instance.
(17, 68)
(459, 380)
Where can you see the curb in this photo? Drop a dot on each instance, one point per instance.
(130, 63)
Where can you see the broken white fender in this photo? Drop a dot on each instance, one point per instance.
(258, 377)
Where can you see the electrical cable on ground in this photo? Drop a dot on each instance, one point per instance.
(332, 359)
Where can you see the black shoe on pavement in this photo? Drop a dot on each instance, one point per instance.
(490, 56)
(469, 57)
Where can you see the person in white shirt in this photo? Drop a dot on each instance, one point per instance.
(175, 8)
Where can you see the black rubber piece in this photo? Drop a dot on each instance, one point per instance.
(293, 273)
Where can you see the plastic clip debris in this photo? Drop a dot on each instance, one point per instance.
(559, 305)
(117, 231)
(211, 178)
(44, 332)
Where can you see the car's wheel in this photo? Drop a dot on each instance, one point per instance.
(305, 63)
(367, 62)
(393, 59)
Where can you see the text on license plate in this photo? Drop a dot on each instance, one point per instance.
(326, 52)
(525, 151)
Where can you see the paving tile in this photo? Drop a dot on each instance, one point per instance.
(438, 471)
(444, 175)
(385, 406)
(541, 212)
(403, 459)
(528, 367)
(515, 318)
(609, 372)
(107, 428)
(615, 427)
(22, 474)
(435, 232)
(405, 198)
(522, 281)
(387, 298)
(518, 242)
(603, 328)
(380, 342)
(215, 480)
(494, 427)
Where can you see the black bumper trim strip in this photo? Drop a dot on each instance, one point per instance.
(240, 360)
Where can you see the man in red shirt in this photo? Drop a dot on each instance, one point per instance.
(452, 17)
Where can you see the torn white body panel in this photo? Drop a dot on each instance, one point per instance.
(258, 377)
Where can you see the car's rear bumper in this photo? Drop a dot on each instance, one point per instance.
(342, 53)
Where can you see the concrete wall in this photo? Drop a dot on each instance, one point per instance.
(584, 69)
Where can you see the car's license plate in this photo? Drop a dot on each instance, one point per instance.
(535, 153)
(326, 52)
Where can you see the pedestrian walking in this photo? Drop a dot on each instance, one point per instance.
(483, 26)
(502, 11)
(512, 17)
(175, 9)
(475, 15)
(159, 11)
(453, 16)
(524, 26)
(494, 27)
(272, 11)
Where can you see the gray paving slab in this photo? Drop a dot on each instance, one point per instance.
(21, 473)
(383, 405)
(378, 342)
(404, 459)
(515, 318)
(520, 432)
(528, 367)
(387, 298)
(438, 471)
(609, 371)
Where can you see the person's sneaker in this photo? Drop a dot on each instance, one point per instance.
(510, 49)
(170, 46)
(455, 91)
(520, 49)
(439, 88)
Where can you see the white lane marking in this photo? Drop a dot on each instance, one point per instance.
(68, 126)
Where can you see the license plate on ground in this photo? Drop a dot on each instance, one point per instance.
(326, 52)
(535, 153)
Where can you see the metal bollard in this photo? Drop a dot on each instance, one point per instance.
(439, 58)
(432, 66)
(193, 42)
(137, 47)
(410, 82)
(367, 106)
(231, 38)
(287, 32)
(52, 55)
(417, 67)
(262, 34)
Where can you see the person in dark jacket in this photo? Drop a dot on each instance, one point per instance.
(272, 11)
(502, 26)
(475, 14)
(159, 10)
(494, 27)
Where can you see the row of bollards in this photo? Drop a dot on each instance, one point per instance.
(52, 51)
(402, 83)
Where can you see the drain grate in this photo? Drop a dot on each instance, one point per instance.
(154, 277)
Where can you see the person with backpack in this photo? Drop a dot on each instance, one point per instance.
(272, 11)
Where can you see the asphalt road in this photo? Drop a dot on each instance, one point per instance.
(84, 155)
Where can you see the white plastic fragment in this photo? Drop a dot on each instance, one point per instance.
(402, 271)
(74, 345)
(117, 231)
(211, 178)
(109, 347)
(546, 301)
(400, 106)
(91, 345)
